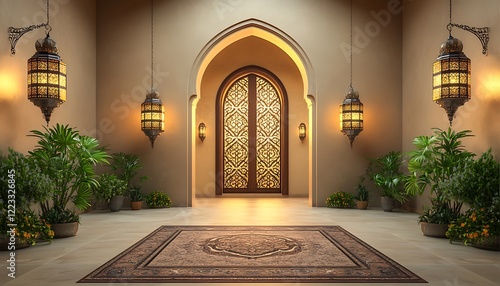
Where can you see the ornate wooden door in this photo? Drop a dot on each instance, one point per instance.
(252, 148)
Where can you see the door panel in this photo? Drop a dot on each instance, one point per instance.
(251, 144)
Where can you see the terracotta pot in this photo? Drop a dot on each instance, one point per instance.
(434, 229)
(62, 230)
(388, 204)
(135, 205)
(361, 205)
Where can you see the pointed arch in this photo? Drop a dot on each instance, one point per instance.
(263, 30)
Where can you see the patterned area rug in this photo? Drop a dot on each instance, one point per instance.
(219, 254)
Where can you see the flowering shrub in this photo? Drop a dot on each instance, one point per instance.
(474, 226)
(158, 199)
(29, 227)
(341, 200)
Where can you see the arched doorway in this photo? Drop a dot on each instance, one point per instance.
(202, 180)
(252, 133)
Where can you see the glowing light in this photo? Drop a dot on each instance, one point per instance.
(9, 86)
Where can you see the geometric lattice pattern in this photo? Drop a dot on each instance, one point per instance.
(236, 148)
(268, 135)
(237, 120)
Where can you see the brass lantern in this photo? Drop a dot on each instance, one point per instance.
(451, 86)
(46, 77)
(351, 115)
(152, 116)
(202, 131)
(302, 131)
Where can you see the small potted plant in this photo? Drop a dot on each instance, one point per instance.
(362, 195)
(136, 197)
(340, 200)
(386, 173)
(158, 199)
(111, 190)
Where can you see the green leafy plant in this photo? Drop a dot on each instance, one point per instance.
(126, 167)
(135, 194)
(68, 159)
(362, 191)
(29, 228)
(341, 200)
(475, 226)
(30, 183)
(109, 186)
(158, 199)
(386, 174)
(477, 184)
(431, 165)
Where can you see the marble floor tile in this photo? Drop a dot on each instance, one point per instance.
(103, 235)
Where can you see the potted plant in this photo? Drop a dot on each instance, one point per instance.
(340, 200)
(158, 199)
(477, 184)
(362, 195)
(386, 174)
(24, 230)
(126, 167)
(430, 165)
(111, 190)
(68, 159)
(22, 184)
(136, 197)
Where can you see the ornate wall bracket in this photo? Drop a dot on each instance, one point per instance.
(16, 33)
(481, 33)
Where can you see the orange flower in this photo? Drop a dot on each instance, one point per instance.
(462, 224)
(485, 232)
(476, 234)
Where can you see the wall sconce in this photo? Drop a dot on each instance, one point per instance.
(152, 112)
(46, 70)
(351, 109)
(451, 83)
(302, 131)
(202, 131)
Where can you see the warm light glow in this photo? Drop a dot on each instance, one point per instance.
(8, 86)
(489, 86)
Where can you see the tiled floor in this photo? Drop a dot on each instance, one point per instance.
(103, 235)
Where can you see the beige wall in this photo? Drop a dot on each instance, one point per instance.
(424, 29)
(73, 28)
(183, 28)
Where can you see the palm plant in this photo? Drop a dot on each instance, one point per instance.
(432, 164)
(68, 159)
(126, 167)
(386, 173)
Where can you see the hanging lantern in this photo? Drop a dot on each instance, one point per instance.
(46, 77)
(152, 116)
(351, 115)
(451, 77)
